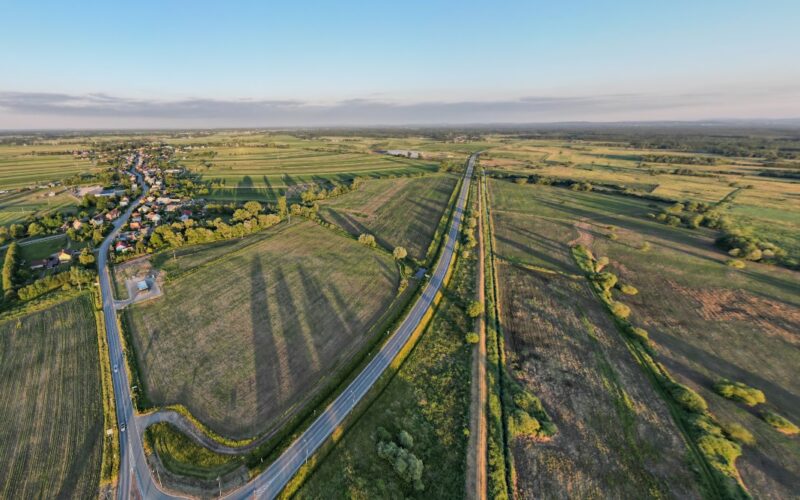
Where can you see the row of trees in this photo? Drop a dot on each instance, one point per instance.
(10, 271)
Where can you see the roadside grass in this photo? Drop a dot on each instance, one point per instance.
(706, 320)
(434, 413)
(51, 405)
(398, 212)
(302, 300)
(181, 455)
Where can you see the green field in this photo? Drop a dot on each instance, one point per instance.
(398, 212)
(23, 166)
(435, 413)
(245, 332)
(51, 410)
(706, 319)
(16, 207)
(266, 171)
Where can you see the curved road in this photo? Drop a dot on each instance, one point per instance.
(270, 482)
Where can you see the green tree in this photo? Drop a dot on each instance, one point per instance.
(253, 207)
(282, 210)
(472, 338)
(35, 229)
(10, 271)
(367, 239)
(399, 253)
(474, 309)
(86, 258)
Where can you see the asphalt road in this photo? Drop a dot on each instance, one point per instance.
(269, 483)
(133, 464)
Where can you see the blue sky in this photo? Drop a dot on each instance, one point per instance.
(181, 63)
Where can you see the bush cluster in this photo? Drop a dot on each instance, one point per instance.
(780, 423)
(528, 417)
(404, 463)
(65, 280)
(715, 445)
(739, 391)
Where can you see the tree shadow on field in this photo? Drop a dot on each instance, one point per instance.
(81, 458)
(756, 458)
(316, 298)
(299, 356)
(268, 376)
(269, 190)
(786, 400)
(245, 187)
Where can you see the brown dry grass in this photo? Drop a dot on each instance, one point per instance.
(616, 437)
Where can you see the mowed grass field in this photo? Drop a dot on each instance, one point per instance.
(398, 212)
(244, 335)
(707, 320)
(22, 166)
(51, 411)
(615, 435)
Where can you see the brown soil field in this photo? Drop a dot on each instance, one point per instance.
(245, 338)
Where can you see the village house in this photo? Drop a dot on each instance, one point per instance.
(77, 225)
(153, 217)
(122, 247)
(135, 225)
(64, 256)
(112, 214)
(97, 220)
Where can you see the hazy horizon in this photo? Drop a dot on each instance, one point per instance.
(98, 66)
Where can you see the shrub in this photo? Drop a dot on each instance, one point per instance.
(739, 434)
(739, 391)
(472, 338)
(779, 422)
(367, 240)
(688, 399)
(522, 424)
(407, 466)
(735, 263)
(605, 280)
(645, 247)
(620, 310)
(381, 434)
(474, 309)
(399, 253)
(405, 440)
(628, 289)
(639, 334)
(720, 452)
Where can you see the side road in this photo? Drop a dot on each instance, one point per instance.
(476, 451)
